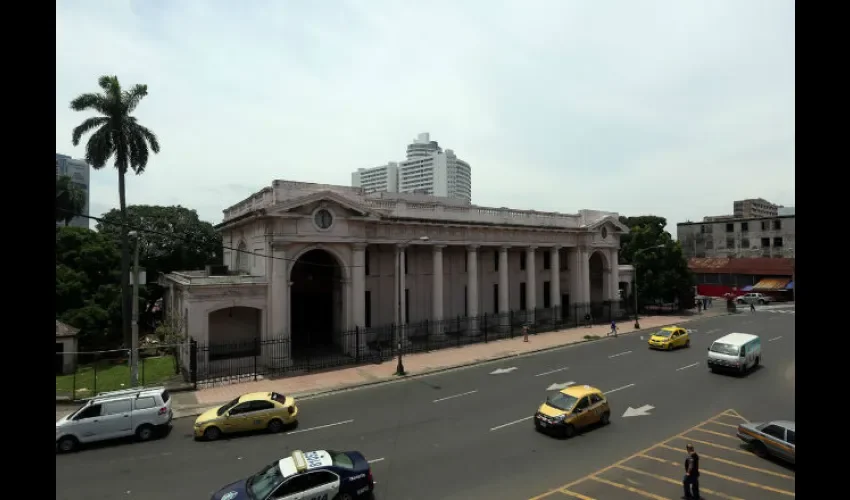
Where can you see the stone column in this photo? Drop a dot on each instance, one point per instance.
(437, 291)
(555, 280)
(585, 276)
(358, 298)
(504, 289)
(276, 347)
(472, 288)
(531, 283)
(615, 283)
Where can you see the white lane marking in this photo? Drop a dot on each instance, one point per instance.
(500, 371)
(511, 423)
(299, 431)
(553, 371)
(774, 338)
(376, 460)
(558, 387)
(714, 330)
(455, 396)
(619, 354)
(620, 388)
(686, 367)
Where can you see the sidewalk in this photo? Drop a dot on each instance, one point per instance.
(194, 403)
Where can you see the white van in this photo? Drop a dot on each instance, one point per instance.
(737, 351)
(116, 414)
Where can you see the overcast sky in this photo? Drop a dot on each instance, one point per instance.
(668, 107)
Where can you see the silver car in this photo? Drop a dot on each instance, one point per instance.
(774, 438)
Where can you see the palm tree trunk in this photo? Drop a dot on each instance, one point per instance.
(126, 298)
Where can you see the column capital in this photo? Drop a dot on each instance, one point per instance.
(360, 246)
(556, 248)
(400, 246)
(531, 248)
(473, 248)
(438, 247)
(504, 248)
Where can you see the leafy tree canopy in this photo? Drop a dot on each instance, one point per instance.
(173, 238)
(661, 268)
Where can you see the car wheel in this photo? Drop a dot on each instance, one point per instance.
(739, 301)
(343, 496)
(144, 432)
(569, 431)
(212, 433)
(67, 444)
(759, 449)
(761, 301)
(713, 369)
(758, 360)
(688, 343)
(606, 418)
(275, 426)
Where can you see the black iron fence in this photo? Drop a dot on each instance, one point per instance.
(276, 357)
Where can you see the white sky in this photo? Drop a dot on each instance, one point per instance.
(668, 108)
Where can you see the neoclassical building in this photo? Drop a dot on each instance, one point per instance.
(309, 261)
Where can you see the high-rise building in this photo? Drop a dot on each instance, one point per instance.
(427, 170)
(79, 172)
(754, 208)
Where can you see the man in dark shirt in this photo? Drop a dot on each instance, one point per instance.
(691, 481)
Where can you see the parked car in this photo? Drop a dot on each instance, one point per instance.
(776, 438)
(754, 298)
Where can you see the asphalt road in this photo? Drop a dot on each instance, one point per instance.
(468, 433)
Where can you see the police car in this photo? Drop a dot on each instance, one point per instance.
(312, 475)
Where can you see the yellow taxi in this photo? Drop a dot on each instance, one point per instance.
(249, 412)
(572, 409)
(669, 338)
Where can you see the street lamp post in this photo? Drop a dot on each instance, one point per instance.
(634, 265)
(400, 270)
(134, 339)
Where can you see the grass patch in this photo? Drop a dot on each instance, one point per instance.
(113, 375)
(592, 337)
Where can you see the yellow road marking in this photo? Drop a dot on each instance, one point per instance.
(672, 481)
(719, 446)
(628, 488)
(721, 423)
(577, 481)
(732, 413)
(736, 464)
(653, 458)
(728, 478)
(727, 436)
(576, 495)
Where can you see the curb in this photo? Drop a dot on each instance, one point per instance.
(321, 393)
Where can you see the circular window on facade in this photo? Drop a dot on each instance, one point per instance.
(604, 232)
(323, 218)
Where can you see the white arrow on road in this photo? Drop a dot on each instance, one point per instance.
(638, 412)
(503, 370)
(558, 387)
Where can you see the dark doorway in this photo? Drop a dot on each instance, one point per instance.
(565, 305)
(57, 363)
(597, 286)
(315, 304)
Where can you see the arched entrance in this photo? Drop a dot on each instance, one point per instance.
(316, 302)
(598, 289)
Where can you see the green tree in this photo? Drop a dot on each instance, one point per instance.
(116, 134)
(69, 199)
(87, 292)
(173, 238)
(661, 268)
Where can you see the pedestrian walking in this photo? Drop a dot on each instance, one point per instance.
(613, 328)
(752, 307)
(691, 480)
(709, 302)
(705, 303)
(588, 320)
(699, 306)
(525, 333)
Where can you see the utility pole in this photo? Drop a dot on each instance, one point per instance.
(134, 342)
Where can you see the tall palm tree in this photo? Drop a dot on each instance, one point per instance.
(70, 200)
(117, 134)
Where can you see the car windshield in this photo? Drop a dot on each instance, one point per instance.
(664, 333)
(261, 484)
(226, 407)
(340, 459)
(561, 401)
(722, 348)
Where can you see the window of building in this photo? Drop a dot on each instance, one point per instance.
(547, 260)
(765, 242)
(709, 244)
(777, 242)
(730, 228)
(466, 263)
(702, 229)
(745, 226)
(562, 259)
(522, 296)
(465, 301)
(495, 297)
(777, 224)
(406, 266)
(745, 243)
(406, 306)
(366, 261)
(730, 242)
(547, 295)
(522, 258)
(368, 305)
(765, 225)
(496, 260)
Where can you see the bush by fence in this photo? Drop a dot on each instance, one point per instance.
(98, 372)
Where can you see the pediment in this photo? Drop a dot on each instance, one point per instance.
(611, 223)
(306, 205)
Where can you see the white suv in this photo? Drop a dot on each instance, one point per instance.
(754, 298)
(117, 414)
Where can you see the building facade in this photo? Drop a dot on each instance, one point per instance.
(310, 261)
(754, 208)
(739, 238)
(79, 172)
(427, 170)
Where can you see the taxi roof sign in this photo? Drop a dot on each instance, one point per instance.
(299, 460)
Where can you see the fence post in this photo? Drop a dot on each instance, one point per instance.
(257, 350)
(428, 328)
(459, 335)
(96, 361)
(193, 362)
(357, 344)
(141, 370)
